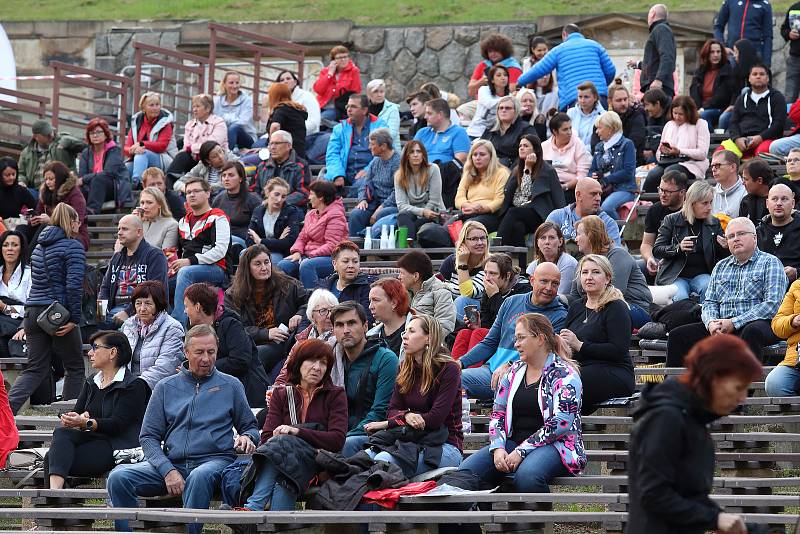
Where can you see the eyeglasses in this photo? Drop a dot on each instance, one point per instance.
(477, 239)
(97, 132)
(738, 235)
(322, 312)
(346, 56)
(669, 191)
(718, 165)
(524, 337)
(276, 143)
(194, 192)
(96, 346)
(793, 160)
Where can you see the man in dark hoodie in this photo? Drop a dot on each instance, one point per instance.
(136, 262)
(347, 283)
(759, 114)
(370, 370)
(658, 64)
(779, 231)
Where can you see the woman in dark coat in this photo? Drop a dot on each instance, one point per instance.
(532, 192)
(101, 168)
(671, 459)
(107, 416)
(16, 197)
(508, 129)
(712, 84)
(275, 224)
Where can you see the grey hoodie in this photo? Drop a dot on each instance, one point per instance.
(728, 201)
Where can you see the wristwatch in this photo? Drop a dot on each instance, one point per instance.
(89, 424)
(463, 267)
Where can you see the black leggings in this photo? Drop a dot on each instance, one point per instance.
(183, 163)
(653, 179)
(602, 382)
(99, 190)
(412, 222)
(517, 223)
(78, 453)
(757, 334)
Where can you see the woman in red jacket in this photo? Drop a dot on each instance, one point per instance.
(61, 185)
(150, 142)
(339, 77)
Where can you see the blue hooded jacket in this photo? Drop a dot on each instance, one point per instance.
(339, 145)
(57, 267)
(746, 19)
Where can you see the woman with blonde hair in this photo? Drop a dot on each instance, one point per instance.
(535, 429)
(426, 401)
(463, 270)
(507, 130)
(203, 126)
(150, 142)
(481, 191)
(598, 330)
(614, 163)
(160, 229)
(592, 238)
(236, 109)
(287, 115)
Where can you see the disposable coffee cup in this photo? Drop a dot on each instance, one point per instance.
(102, 308)
(283, 328)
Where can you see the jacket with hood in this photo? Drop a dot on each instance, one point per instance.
(238, 357)
(727, 201)
(671, 463)
(783, 242)
(756, 28)
(294, 170)
(331, 85)
(156, 136)
(63, 148)
(722, 92)
(147, 263)
(195, 133)
(658, 62)
(290, 217)
(497, 347)
(183, 407)
(240, 112)
(160, 346)
(674, 228)
(490, 306)
(340, 142)
(369, 382)
(205, 239)
(322, 231)
(291, 301)
(782, 324)
(57, 267)
(766, 118)
(357, 290)
(68, 193)
(435, 299)
(122, 409)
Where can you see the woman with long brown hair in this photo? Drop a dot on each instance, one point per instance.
(713, 82)
(417, 190)
(287, 115)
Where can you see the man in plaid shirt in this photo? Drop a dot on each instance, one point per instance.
(743, 295)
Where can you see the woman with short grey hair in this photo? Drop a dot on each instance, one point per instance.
(383, 109)
(376, 203)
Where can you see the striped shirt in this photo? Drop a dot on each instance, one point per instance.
(450, 275)
(745, 292)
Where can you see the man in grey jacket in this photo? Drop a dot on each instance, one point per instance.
(192, 413)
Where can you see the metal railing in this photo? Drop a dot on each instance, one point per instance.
(17, 117)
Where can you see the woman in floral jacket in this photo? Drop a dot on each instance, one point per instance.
(535, 430)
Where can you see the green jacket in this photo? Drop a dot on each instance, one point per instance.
(369, 382)
(64, 148)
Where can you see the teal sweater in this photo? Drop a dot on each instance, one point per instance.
(369, 381)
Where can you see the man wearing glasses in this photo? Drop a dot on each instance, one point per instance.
(792, 176)
(742, 297)
(671, 194)
(730, 190)
(284, 163)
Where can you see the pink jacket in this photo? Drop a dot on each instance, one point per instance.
(571, 162)
(322, 231)
(693, 141)
(196, 133)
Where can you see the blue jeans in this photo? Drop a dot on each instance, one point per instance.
(353, 444)
(538, 468)
(238, 137)
(309, 270)
(781, 147)
(129, 481)
(711, 116)
(639, 316)
(191, 274)
(687, 286)
(329, 114)
(108, 324)
(783, 381)
(141, 162)
(614, 201)
(269, 490)
(451, 457)
(359, 220)
(477, 382)
(725, 120)
(316, 145)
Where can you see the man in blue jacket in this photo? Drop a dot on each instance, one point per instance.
(576, 60)
(348, 152)
(192, 413)
(746, 19)
(497, 352)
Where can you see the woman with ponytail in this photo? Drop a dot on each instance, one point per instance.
(598, 332)
(535, 429)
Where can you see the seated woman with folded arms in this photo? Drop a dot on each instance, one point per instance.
(101, 166)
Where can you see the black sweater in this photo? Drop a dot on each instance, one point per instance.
(13, 198)
(767, 118)
(606, 335)
(238, 211)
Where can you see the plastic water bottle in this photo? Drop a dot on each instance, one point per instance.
(392, 238)
(466, 421)
(368, 238)
(384, 237)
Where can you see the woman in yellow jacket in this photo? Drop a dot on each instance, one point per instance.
(783, 381)
(482, 188)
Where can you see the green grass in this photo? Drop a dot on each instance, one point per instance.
(363, 12)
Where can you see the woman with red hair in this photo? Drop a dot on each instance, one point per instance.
(102, 174)
(285, 114)
(389, 305)
(712, 85)
(671, 468)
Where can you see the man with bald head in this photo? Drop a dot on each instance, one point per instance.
(588, 194)
(658, 64)
(496, 351)
(779, 231)
(135, 262)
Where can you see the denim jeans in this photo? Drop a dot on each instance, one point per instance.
(191, 274)
(614, 201)
(308, 270)
(477, 382)
(781, 147)
(783, 381)
(451, 457)
(109, 324)
(129, 481)
(687, 286)
(359, 220)
(269, 490)
(725, 120)
(353, 444)
(639, 316)
(538, 468)
(711, 116)
(238, 137)
(329, 114)
(141, 162)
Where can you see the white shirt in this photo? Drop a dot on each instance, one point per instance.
(18, 288)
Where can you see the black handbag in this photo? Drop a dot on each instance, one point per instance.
(55, 315)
